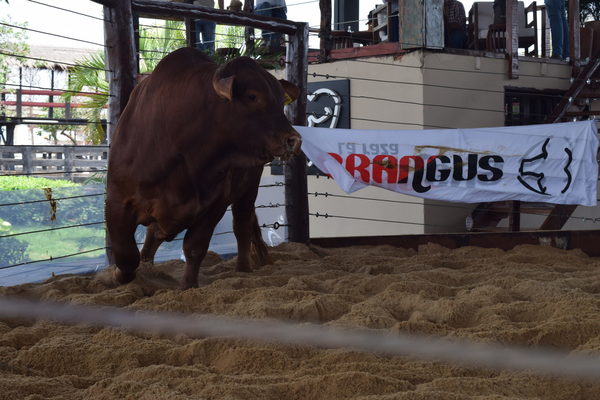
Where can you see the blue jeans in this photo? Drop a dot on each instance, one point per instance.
(204, 37)
(456, 38)
(558, 27)
(271, 39)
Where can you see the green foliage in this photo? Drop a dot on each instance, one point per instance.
(62, 242)
(89, 75)
(13, 41)
(29, 182)
(589, 10)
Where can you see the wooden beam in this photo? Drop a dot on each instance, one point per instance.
(106, 3)
(296, 188)
(326, 41)
(164, 9)
(512, 38)
(586, 240)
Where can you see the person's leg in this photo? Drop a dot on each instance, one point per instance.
(556, 26)
(208, 36)
(276, 38)
(265, 9)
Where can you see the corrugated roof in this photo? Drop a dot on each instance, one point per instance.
(52, 57)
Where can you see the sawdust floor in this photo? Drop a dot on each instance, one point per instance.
(531, 295)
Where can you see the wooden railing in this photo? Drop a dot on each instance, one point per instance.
(70, 162)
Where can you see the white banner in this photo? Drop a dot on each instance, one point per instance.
(553, 163)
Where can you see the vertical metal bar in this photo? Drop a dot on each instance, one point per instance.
(69, 162)
(19, 102)
(27, 159)
(296, 187)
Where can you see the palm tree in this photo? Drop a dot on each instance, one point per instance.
(89, 76)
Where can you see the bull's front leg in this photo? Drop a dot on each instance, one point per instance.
(195, 245)
(121, 226)
(151, 244)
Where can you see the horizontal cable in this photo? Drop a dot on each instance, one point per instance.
(326, 194)
(327, 215)
(489, 355)
(48, 88)
(52, 258)
(53, 198)
(52, 34)
(51, 229)
(162, 38)
(53, 61)
(53, 172)
(67, 10)
(273, 184)
(52, 121)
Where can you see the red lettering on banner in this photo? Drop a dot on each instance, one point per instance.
(337, 158)
(405, 164)
(387, 164)
(361, 168)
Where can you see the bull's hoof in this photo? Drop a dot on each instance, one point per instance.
(243, 268)
(124, 277)
(189, 284)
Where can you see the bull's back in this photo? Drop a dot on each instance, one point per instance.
(157, 124)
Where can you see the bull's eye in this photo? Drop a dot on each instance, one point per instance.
(252, 97)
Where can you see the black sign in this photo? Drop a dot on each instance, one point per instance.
(328, 106)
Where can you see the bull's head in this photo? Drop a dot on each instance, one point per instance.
(256, 102)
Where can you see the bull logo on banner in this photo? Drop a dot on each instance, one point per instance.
(546, 154)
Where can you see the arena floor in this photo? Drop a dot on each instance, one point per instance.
(531, 295)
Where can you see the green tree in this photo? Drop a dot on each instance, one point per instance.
(12, 41)
(589, 10)
(89, 76)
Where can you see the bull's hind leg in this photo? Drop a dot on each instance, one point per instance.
(151, 244)
(195, 245)
(121, 225)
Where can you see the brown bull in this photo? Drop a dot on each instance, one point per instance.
(193, 140)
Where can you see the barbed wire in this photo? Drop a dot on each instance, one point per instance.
(67, 10)
(466, 208)
(53, 198)
(53, 34)
(327, 215)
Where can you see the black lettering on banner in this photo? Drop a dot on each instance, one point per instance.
(432, 169)
(484, 163)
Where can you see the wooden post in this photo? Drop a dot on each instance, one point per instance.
(574, 35)
(27, 154)
(120, 59)
(296, 188)
(69, 161)
(326, 41)
(121, 63)
(512, 38)
(248, 30)
(514, 217)
(19, 106)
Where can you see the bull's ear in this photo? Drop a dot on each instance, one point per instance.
(292, 91)
(224, 87)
